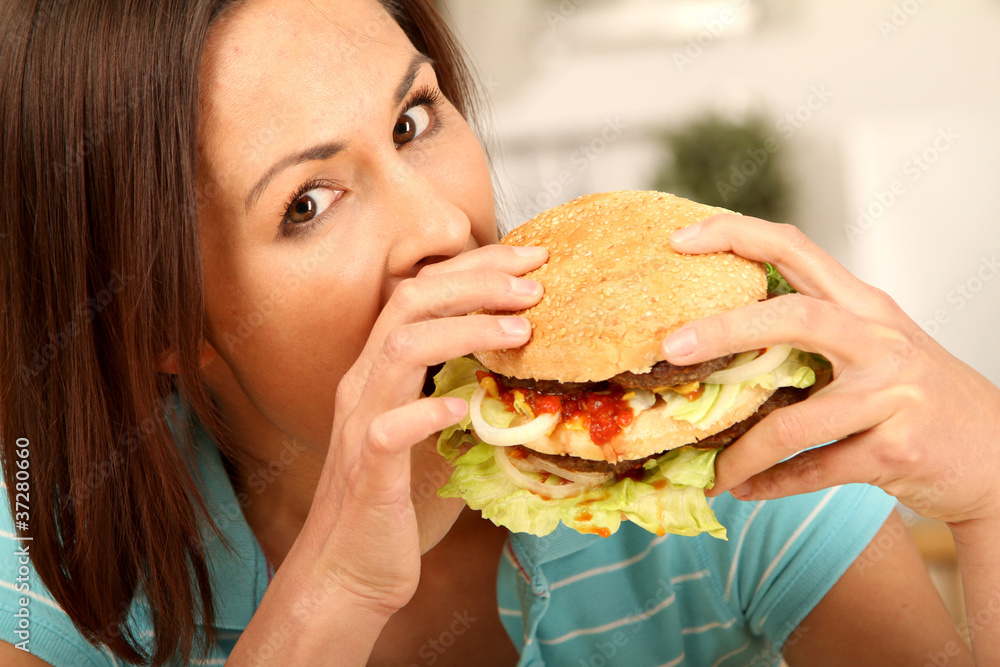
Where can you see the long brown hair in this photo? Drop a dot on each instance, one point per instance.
(100, 272)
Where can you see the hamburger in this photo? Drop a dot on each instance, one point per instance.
(587, 424)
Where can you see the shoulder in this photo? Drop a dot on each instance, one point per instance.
(29, 618)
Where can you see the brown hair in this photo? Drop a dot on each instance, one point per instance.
(100, 271)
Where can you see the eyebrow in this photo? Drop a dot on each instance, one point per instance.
(328, 150)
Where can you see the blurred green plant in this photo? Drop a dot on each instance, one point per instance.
(735, 165)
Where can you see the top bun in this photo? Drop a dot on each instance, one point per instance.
(614, 289)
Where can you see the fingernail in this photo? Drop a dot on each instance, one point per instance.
(741, 491)
(681, 343)
(457, 406)
(531, 251)
(525, 286)
(685, 234)
(514, 326)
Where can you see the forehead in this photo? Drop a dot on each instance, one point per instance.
(274, 71)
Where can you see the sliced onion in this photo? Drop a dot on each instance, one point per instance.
(589, 478)
(525, 482)
(644, 399)
(765, 363)
(507, 437)
(524, 465)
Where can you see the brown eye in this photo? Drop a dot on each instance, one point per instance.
(410, 125)
(310, 204)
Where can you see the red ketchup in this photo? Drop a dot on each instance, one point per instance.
(604, 414)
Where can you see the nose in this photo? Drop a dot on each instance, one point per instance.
(426, 226)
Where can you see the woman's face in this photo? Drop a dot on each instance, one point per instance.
(331, 168)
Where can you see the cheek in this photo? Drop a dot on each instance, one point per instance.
(289, 322)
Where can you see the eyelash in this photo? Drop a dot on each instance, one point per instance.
(425, 96)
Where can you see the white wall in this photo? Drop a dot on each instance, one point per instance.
(884, 77)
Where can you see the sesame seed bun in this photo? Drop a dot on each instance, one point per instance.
(614, 289)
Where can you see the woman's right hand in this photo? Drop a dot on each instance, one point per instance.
(363, 537)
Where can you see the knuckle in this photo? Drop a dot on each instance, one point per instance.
(407, 292)
(896, 455)
(910, 395)
(794, 237)
(789, 430)
(801, 310)
(714, 330)
(398, 345)
(807, 469)
(377, 435)
(884, 302)
(489, 282)
(346, 394)
(791, 242)
(768, 485)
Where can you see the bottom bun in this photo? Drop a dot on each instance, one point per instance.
(650, 433)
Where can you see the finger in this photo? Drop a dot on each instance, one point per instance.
(806, 267)
(515, 260)
(383, 472)
(442, 296)
(824, 417)
(804, 322)
(458, 293)
(843, 462)
(398, 370)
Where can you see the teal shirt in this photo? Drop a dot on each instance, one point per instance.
(636, 599)
(565, 599)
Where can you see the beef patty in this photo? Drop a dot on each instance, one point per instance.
(665, 374)
(779, 399)
(662, 374)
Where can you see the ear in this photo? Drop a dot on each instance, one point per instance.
(167, 361)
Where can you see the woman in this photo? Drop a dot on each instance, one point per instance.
(239, 235)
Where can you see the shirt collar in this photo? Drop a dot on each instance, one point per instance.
(560, 543)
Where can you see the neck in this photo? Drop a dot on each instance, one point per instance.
(278, 496)
(276, 484)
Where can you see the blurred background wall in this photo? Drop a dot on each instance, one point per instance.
(881, 116)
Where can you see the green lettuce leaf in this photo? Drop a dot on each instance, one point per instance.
(669, 499)
(776, 283)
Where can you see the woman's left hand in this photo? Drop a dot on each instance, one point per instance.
(907, 415)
